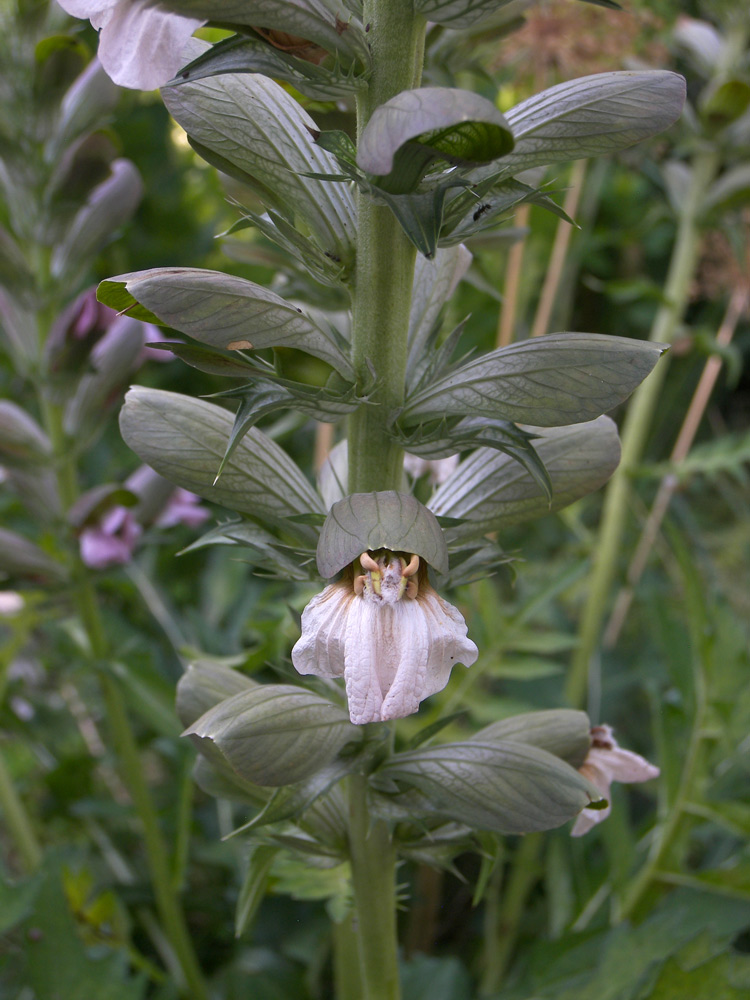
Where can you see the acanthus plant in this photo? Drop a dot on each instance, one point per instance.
(371, 223)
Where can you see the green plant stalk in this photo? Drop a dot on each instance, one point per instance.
(128, 755)
(385, 262)
(673, 812)
(18, 822)
(373, 860)
(637, 424)
(504, 917)
(347, 980)
(381, 301)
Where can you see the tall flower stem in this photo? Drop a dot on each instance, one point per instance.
(385, 261)
(637, 424)
(381, 301)
(373, 860)
(123, 737)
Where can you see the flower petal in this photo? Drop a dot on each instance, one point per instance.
(587, 819)
(142, 47)
(628, 767)
(398, 654)
(86, 8)
(371, 658)
(320, 648)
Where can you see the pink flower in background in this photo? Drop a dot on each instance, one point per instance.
(607, 762)
(183, 507)
(140, 46)
(110, 542)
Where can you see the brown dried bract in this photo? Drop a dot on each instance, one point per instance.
(302, 48)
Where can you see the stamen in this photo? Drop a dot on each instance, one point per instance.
(368, 563)
(412, 568)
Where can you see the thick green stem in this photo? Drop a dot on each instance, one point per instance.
(347, 979)
(126, 746)
(381, 300)
(373, 861)
(637, 424)
(385, 263)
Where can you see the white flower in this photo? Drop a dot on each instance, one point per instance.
(139, 46)
(388, 633)
(607, 762)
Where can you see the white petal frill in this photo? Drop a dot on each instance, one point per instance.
(392, 656)
(604, 764)
(139, 46)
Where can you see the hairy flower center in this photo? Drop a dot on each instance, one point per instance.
(387, 577)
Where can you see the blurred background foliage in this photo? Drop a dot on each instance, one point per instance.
(637, 909)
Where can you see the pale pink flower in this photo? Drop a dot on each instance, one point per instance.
(183, 507)
(391, 637)
(140, 46)
(110, 542)
(607, 762)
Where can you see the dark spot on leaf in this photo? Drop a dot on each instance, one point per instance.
(367, 27)
(341, 26)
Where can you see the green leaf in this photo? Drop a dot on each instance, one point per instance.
(59, 965)
(252, 124)
(491, 492)
(547, 381)
(222, 311)
(465, 13)
(17, 901)
(14, 271)
(435, 280)
(323, 265)
(317, 20)
(21, 558)
(447, 437)
(108, 207)
(724, 102)
(274, 734)
(507, 787)
(254, 886)
(184, 439)
(563, 732)
(243, 54)
(216, 778)
(263, 549)
(22, 440)
(386, 520)
(292, 801)
(488, 204)
(591, 116)
(416, 127)
(420, 215)
(730, 191)
(204, 684)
